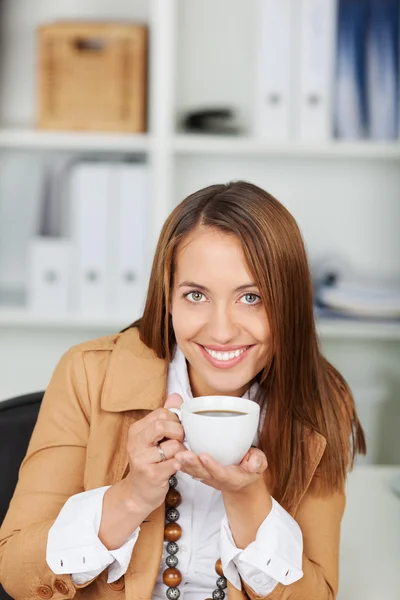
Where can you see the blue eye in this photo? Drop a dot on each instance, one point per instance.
(195, 297)
(250, 299)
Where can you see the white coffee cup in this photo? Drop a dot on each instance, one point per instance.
(209, 428)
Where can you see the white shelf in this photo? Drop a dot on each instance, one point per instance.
(200, 144)
(327, 328)
(349, 329)
(236, 145)
(74, 141)
(21, 318)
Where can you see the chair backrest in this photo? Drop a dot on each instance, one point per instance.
(17, 420)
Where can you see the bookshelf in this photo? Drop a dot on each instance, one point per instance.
(343, 194)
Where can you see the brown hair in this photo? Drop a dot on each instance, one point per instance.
(302, 388)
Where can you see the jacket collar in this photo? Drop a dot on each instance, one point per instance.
(136, 378)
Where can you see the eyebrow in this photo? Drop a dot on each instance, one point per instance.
(203, 288)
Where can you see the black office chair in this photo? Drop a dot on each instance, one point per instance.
(17, 420)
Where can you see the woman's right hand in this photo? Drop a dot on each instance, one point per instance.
(128, 502)
(147, 480)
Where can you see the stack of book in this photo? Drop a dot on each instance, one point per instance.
(340, 291)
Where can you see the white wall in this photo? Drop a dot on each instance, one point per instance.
(348, 207)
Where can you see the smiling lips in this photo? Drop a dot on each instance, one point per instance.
(226, 358)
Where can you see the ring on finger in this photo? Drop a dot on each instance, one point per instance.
(161, 453)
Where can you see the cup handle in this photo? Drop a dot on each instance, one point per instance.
(178, 412)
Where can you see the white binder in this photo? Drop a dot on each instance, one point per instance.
(49, 275)
(90, 190)
(274, 70)
(316, 56)
(131, 248)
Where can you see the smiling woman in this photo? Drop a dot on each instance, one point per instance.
(110, 495)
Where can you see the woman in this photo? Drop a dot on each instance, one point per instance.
(228, 311)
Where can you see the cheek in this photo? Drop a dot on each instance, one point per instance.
(266, 334)
(258, 325)
(185, 320)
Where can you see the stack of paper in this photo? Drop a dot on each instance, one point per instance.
(362, 300)
(341, 290)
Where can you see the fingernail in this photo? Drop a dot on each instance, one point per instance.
(257, 463)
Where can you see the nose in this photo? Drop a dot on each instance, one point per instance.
(222, 327)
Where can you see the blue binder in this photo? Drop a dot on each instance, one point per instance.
(350, 103)
(383, 69)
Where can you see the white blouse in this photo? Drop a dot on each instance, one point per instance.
(275, 555)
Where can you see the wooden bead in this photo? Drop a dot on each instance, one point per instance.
(218, 567)
(172, 577)
(173, 498)
(172, 532)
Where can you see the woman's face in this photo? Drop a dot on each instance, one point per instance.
(219, 320)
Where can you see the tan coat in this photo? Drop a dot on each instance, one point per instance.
(79, 443)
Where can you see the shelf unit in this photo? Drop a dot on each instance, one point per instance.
(167, 148)
(325, 185)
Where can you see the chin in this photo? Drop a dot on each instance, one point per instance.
(227, 386)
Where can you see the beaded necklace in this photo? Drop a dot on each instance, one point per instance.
(172, 577)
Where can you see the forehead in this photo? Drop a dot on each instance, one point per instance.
(211, 254)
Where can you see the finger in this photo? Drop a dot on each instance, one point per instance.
(170, 448)
(256, 461)
(233, 477)
(159, 430)
(155, 415)
(246, 456)
(165, 469)
(217, 471)
(173, 401)
(192, 465)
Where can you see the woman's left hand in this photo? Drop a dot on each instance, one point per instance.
(226, 479)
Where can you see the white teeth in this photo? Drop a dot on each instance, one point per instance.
(225, 355)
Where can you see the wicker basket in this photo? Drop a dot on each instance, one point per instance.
(92, 77)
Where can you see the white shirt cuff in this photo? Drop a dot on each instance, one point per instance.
(274, 557)
(73, 545)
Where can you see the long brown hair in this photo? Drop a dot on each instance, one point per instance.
(301, 388)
